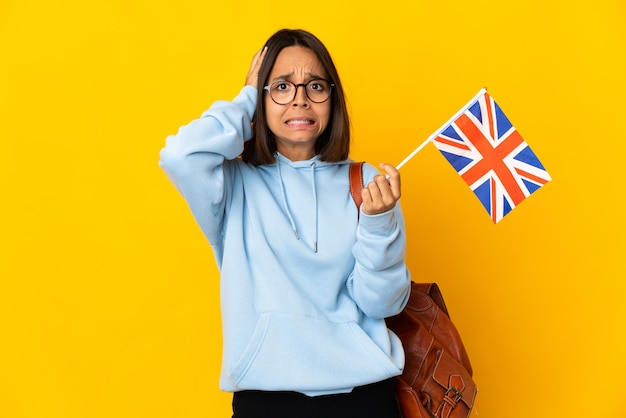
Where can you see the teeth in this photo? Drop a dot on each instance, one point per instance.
(299, 122)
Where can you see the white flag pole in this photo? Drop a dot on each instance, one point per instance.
(438, 131)
(415, 151)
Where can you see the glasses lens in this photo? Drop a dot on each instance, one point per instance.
(282, 92)
(318, 91)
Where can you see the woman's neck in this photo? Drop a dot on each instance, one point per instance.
(297, 153)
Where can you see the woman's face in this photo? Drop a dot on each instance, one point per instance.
(297, 124)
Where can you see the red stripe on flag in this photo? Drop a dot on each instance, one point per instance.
(452, 143)
(532, 177)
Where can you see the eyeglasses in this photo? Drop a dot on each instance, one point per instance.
(283, 92)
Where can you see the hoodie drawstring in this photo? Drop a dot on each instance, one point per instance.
(314, 202)
(284, 196)
(286, 205)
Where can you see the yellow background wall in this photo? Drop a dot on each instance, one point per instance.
(108, 303)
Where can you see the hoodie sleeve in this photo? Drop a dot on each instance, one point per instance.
(193, 159)
(381, 282)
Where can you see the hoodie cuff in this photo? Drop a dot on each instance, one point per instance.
(379, 224)
(246, 99)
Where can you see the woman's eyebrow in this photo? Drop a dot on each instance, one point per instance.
(315, 76)
(283, 77)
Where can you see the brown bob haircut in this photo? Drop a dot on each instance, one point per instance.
(334, 143)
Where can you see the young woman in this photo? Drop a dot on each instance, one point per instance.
(306, 280)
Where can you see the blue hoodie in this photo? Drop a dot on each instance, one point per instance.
(305, 285)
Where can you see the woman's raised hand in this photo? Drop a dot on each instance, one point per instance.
(382, 193)
(252, 79)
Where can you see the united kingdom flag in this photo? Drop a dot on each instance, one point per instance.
(490, 155)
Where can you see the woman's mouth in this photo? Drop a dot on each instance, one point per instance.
(299, 122)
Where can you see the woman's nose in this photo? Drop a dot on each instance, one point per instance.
(301, 98)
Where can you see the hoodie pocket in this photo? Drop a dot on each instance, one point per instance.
(288, 352)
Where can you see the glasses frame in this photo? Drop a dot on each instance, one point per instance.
(295, 94)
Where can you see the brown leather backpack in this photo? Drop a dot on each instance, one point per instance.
(437, 378)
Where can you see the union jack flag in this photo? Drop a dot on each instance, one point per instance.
(490, 155)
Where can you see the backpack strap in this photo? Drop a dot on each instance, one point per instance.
(356, 183)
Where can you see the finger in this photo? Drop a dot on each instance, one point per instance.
(253, 73)
(376, 188)
(368, 206)
(375, 198)
(258, 58)
(366, 196)
(393, 177)
(385, 194)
